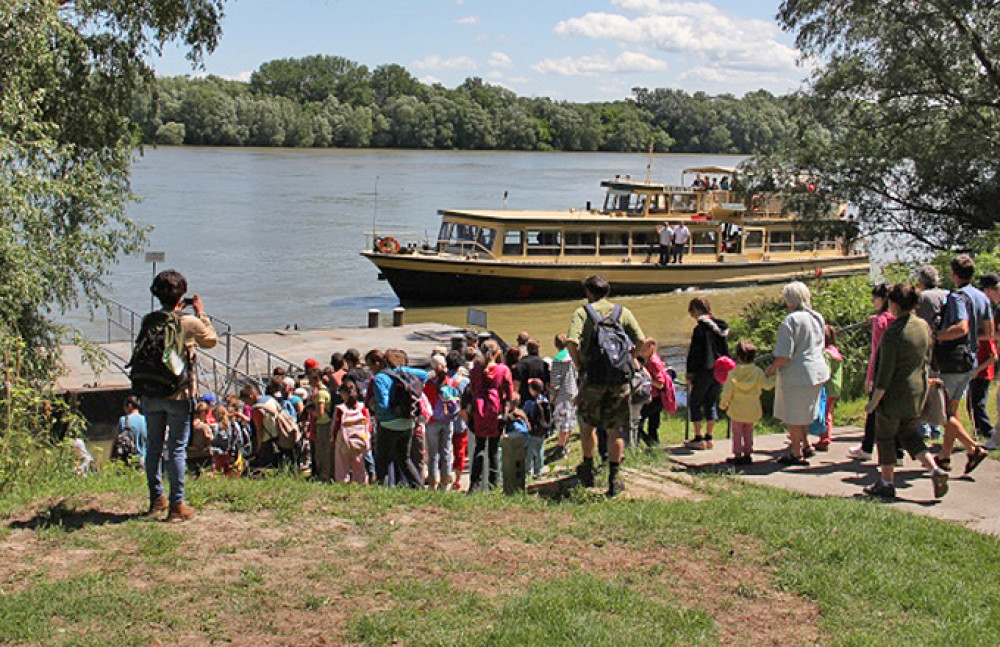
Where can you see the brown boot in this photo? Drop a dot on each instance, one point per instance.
(180, 512)
(157, 505)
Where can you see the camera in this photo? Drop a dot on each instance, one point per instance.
(188, 302)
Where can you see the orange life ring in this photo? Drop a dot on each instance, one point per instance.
(387, 245)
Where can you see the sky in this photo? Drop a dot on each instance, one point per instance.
(575, 50)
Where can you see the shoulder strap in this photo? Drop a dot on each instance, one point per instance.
(596, 318)
(616, 313)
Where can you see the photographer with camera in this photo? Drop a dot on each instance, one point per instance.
(163, 377)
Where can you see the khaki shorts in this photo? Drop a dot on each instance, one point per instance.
(605, 405)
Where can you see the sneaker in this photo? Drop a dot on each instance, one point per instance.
(585, 474)
(940, 481)
(993, 443)
(808, 452)
(180, 512)
(973, 460)
(157, 505)
(858, 454)
(734, 460)
(822, 446)
(880, 490)
(789, 459)
(745, 460)
(615, 487)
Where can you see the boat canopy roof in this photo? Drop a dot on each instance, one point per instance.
(720, 170)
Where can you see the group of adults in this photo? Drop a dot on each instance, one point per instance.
(673, 238)
(710, 183)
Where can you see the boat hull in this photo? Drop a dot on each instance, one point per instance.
(419, 280)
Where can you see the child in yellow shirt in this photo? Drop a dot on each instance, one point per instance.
(741, 398)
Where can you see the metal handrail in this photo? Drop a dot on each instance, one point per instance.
(128, 320)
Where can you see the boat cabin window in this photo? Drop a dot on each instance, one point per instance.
(644, 242)
(458, 238)
(683, 203)
(513, 242)
(486, 237)
(829, 242)
(614, 243)
(704, 241)
(580, 243)
(779, 241)
(544, 243)
(617, 200)
(754, 239)
(804, 243)
(658, 203)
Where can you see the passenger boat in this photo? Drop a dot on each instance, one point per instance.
(489, 256)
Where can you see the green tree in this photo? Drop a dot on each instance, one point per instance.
(903, 117)
(71, 74)
(170, 133)
(391, 81)
(314, 78)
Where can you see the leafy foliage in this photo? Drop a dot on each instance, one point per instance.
(70, 74)
(902, 119)
(332, 101)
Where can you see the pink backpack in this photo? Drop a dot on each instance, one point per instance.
(722, 367)
(669, 394)
(354, 429)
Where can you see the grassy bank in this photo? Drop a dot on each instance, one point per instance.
(283, 560)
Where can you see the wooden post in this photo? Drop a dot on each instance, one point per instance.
(373, 317)
(397, 316)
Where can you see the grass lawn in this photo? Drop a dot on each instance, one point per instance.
(281, 560)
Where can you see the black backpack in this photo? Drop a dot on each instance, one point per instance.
(541, 418)
(124, 444)
(150, 374)
(609, 359)
(404, 397)
(956, 355)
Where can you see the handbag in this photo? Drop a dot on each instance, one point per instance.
(934, 412)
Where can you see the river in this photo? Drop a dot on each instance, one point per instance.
(270, 237)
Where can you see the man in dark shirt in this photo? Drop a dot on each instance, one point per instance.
(531, 365)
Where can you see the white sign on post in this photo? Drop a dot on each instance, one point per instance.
(156, 257)
(476, 318)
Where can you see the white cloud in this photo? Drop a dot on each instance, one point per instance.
(717, 39)
(239, 76)
(435, 62)
(599, 63)
(500, 60)
(430, 80)
(468, 20)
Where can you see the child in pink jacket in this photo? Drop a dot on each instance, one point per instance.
(351, 437)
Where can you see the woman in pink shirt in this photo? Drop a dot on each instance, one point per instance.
(492, 388)
(880, 320)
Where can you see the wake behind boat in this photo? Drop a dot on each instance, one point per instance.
(732, 239)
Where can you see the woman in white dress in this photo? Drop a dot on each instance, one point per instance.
(801, 369)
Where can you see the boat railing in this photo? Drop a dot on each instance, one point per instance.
(463, 248)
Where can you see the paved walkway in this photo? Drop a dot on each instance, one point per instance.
(973, 500)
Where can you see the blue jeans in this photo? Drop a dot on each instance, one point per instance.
(533, 456)
(168, 420)
(438, 438)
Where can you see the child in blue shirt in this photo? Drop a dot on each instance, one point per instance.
(538, 411)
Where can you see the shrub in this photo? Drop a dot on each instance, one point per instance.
(33, 423)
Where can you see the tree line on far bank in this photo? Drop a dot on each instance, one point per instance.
(323, 101)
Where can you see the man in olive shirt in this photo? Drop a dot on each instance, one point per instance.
(600, 404)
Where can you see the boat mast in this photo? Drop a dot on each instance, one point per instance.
(649, 166)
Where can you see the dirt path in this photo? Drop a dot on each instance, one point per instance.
(971, 500)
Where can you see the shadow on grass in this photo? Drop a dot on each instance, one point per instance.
(67, 518)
